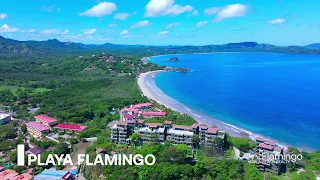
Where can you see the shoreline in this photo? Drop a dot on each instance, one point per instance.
(149, 89)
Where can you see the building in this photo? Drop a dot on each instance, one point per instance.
(25, 176)
(74, 128)
(53, 174)
(8, 174)
(153, 114)
(35, 151)
(5, 118)
(177, 136)
(121, 131)
(140, 123)
(143, 106)
(269, 157)
(37, 129)
(152, 132)
(46, 120)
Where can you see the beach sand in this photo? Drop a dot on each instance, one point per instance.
(149, 88)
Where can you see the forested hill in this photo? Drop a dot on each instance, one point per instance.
(54, 48)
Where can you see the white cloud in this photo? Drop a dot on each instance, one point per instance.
(101, 9)
(277, 21)
(163, 33)
(121, 16)
(89, 31)
(194, 13)
(6, 28)
(113, 25)
(32, 30)
(231, 11)
(202, 23)
(66, 31)
(141, 24)
(210, 11)
(171, 25)
(124, 32)
(50, 31)
(165, 7)
(3, 16)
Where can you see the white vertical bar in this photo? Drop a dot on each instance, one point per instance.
(20, 155)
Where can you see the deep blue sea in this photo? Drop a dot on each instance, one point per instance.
(275, 95)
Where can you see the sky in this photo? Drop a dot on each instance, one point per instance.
(163, 22)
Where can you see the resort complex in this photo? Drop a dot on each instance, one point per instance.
(159, 132)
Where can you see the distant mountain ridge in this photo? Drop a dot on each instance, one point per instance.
(54, 47)
(313, 46)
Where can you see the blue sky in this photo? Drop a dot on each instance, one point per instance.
(163, 22)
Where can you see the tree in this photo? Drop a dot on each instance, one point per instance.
(13, 156)
(184, 148)
(24, 129)
(61, 148)
(217, 142)
(195, 141)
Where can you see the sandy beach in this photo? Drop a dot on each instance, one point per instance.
(149, 88)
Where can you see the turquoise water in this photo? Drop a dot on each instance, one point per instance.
(275, 95)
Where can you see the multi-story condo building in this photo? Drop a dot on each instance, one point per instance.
(37, 129)
(269, 157)
(152, 132)
(121, 131)
(177, 136)
(46, 120)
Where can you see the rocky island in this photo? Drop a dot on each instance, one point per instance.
(173, 59)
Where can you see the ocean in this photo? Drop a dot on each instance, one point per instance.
(275, 95)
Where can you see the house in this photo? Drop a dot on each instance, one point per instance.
(101, 151)
(5, 118)
(46, 120)
(53, 174)
(8, 174)
(35, 151)
(37, 129)
(74, 128)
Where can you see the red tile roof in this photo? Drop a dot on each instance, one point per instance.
(212, 130)
(195, 125)
(127, 109)
(131, 121)
(45, 118)
(100, 150)
(168, 122)
(153, 124)
(154, 113)
(260, 139)
(175, 126)
(72, 127)
(270, 143)
(140, 121)
(203, 127)
(122, 123)
(130, 116)
(265, 146)
(141, 105)
(38, 126)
